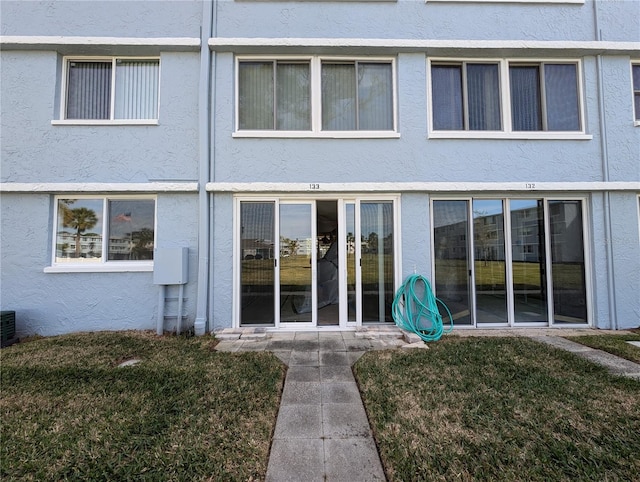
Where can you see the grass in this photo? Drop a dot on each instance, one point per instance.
(499, 409)
(614, 344)
(184, 412)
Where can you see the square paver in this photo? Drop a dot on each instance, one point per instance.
(337, 373)
(301, 393)
(303, 374)
(340, 392)
(304, 358)
(283, 356)
(352, 459)
(299, 421)
(281, 344)
(345, 420)
(334, 358)
(332, 343)
(296, 460)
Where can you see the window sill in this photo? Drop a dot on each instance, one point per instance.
(576, 136)
(111, 267)
(96, 122)
(319, 135)
(636, 123)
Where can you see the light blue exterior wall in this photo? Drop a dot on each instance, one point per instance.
(35, 151)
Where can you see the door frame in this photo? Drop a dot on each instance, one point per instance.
(545, 197)
(342, 200)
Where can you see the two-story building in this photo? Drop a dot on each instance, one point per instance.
(313, 154)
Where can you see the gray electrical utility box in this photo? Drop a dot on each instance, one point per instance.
(170, 266)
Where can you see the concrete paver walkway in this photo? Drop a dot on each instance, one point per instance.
(322, 432)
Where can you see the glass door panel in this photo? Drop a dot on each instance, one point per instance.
(451, 225)
(328, 279)
(257, 267)
(489, 261)
(350, 230)
(528, 261)
(296, 253)
(377, 260)
(567, 262)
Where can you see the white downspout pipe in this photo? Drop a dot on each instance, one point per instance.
(204, 123)
(604, 148)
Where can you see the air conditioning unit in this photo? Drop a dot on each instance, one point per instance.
(8, 328)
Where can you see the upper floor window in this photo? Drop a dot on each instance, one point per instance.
(501, 98)
(111, 89)
(544, 97)
(315, 96)
(635, 73)
(93, 231)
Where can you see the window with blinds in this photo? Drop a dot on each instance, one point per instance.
(112, 89)
(315, 95)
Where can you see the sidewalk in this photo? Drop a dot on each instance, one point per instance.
(322, 432)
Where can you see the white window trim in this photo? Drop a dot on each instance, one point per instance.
(636, 122)
(315, 66)
(103, 265)
(111, 121)
(505, 103)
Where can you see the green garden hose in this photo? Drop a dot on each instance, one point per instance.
(415, 309)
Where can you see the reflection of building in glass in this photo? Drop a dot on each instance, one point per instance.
(257, 249)
(527, 233)
(119, 248)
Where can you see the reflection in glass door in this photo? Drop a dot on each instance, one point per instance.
(350, 239)
(567, 262)
(528, 260)
(489, 261)
(451, 225)
(376, 260)
(257, 267)
(297, 247)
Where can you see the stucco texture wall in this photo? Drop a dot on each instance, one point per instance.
(56, 303)
(34, 150)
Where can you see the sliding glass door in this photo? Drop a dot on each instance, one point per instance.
(315, 262)
(525, 264)
(296, 271)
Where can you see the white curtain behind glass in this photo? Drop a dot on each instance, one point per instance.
(338, 97)
(136, 90)
(483, 97)
(561, 93)
(375, 97)
(446, 94)
(88, 90)
(293, 111)
(525, 98)
(256, 96)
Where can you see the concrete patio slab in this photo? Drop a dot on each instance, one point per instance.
(301, 393)
(299, 421)
(352, 459)
(340, 392)
(344, 420)
(295, 460)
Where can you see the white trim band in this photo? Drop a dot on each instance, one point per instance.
(387, 187)
(24, 42)
(249, 44)
(99, 187)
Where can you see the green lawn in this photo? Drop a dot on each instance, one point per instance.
(185, 412)
(499, 409)
(615, 344)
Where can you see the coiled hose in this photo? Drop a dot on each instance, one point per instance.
(415, 309)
